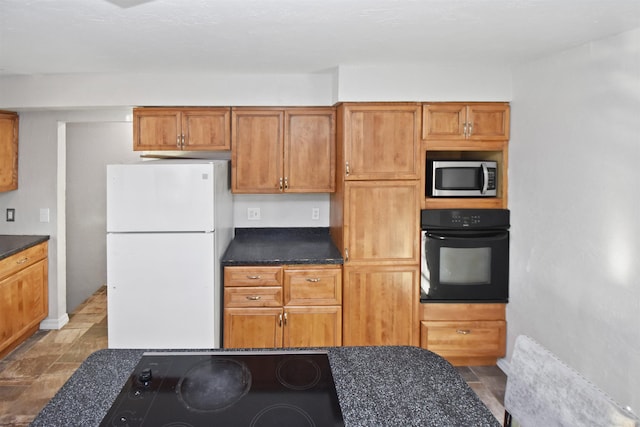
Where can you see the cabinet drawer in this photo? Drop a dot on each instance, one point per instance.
(252, 276)
(313, 286)
(464, 339)
(22, 259)
(261, 296)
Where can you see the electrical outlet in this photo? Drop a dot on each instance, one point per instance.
(315, 213)
(253, 214)
(11, 215)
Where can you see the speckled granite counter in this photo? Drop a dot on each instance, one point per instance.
(12, 244)
(377, 386)
(269, 246)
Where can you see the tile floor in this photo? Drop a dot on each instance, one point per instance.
(33, 373)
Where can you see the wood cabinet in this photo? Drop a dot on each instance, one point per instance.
(473, 121)
(282, 306)
(466, 131)
(381, 222)
(283, 150)
(375, 221)
(464, 334)
(380, 141)
(8, 151)
(23, 295)
(380, 305)
(189, 129)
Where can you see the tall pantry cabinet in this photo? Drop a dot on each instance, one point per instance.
(375, 221)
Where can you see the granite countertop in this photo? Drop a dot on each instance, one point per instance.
(12, 244)
(390, 386)
(271, 246)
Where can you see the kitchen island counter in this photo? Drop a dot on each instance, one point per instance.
(278, 246)
(12, 244)
(390, 386)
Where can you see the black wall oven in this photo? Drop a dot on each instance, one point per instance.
(465, 255)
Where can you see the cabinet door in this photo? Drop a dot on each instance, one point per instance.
(309, 150)
(156, 129)
(381, 141)
(257, 150)
(23, 302)
(8, 151)
(381, 222)
(313, 326)
(379, 305)
(488, 122)
(253, 327)
(443, 121)
(206, 129)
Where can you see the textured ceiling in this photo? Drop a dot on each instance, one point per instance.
(292, 36)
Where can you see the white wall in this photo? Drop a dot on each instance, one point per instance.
(573, 192)
(90, 147)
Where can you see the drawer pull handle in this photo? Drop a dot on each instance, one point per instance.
(285, 319)
(22, 261)
(313, 279)
(464, 331)
(280, 319)
(254, 297)
(253, 277)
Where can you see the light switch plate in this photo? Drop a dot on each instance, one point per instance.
(11, 215)
(253, 214)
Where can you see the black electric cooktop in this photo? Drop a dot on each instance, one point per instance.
(176, 389)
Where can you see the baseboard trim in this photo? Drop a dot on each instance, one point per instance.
(504, 365)
(58, 323)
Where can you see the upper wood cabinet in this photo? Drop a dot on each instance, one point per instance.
(379, 141)
(474, 121)
(8, 151)
(283, 150)
(189, 129)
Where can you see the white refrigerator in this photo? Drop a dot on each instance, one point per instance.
(168, 224)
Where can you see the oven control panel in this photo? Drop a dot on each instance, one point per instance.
(433, 219)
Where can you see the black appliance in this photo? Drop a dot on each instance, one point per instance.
(228, 389)
(464, 255)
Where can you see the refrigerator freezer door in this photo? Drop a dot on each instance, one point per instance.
(160, 291)
(150, 197)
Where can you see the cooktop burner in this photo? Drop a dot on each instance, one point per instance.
(177, 389)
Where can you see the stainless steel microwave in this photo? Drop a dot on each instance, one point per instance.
(461, 178)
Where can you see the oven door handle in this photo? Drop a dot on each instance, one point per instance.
(485, 179)
(488, 235)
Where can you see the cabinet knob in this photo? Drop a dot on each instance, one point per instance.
(347, 169)
(286, 183)
(463, 331)
(280, 186)
(22, 260)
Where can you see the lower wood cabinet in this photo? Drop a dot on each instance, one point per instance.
(464, 334)
(380, 305)
(23, 295)
(282, 306)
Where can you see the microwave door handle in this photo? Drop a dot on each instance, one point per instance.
(485, 179)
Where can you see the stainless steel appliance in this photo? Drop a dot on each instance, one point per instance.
(240, 388)
(464, 255)
(461, 178)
